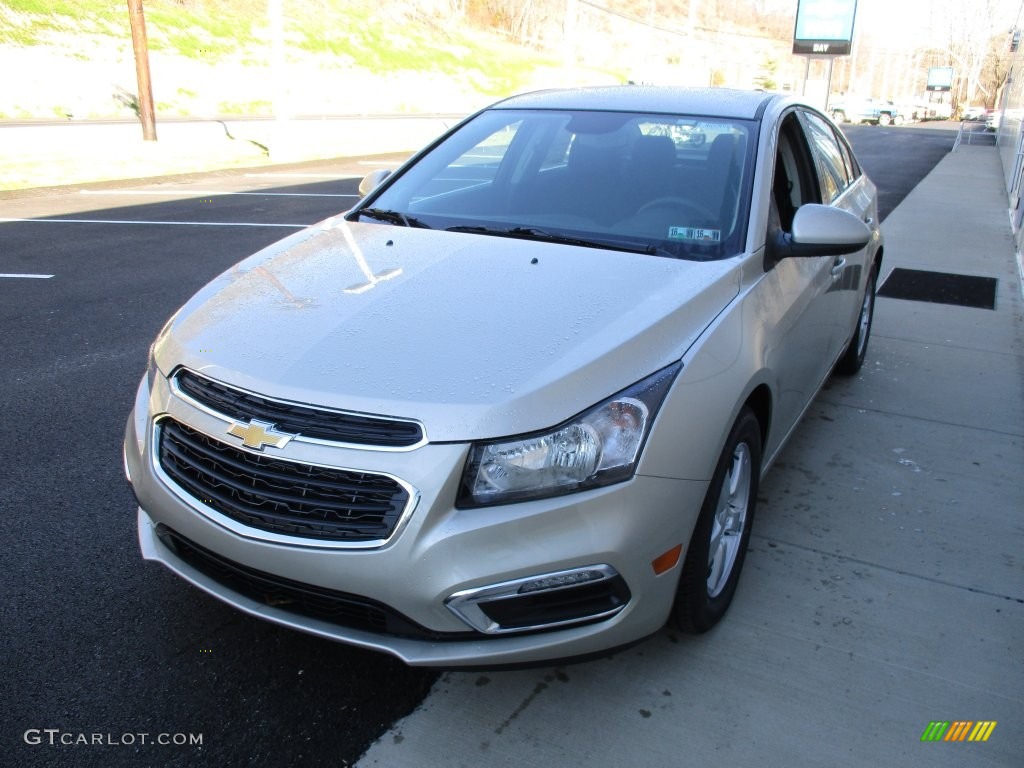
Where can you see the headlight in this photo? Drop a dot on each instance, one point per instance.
(152, 369)
(599, 447)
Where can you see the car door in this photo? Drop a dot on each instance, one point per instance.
(843, 186)
(795, 292)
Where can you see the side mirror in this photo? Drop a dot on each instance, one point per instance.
(820, 230)
(371, 181)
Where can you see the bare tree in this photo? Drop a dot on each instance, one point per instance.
(968, 36)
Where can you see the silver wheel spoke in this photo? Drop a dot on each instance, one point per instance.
(730, 520)
(865, 319)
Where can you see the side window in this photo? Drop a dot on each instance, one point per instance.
(557, 151)
(477, 166)
(795, 182)
(481, 162)
(851, 162)
(833, 173)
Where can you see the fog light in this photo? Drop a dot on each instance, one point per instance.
(544, 601)
(563, 580)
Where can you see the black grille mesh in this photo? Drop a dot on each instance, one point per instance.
(340, 608)
(358, 429)
(281, 496)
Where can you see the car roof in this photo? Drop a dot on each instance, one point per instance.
(719, 102)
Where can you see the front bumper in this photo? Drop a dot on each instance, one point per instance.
(436, 567)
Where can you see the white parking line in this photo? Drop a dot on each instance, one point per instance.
(205, 193)
(157, 223)
(30, 277)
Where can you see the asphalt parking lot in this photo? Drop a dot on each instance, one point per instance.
(884, 590)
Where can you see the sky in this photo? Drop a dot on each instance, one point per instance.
(916, 22)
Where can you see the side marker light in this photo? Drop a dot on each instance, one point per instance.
(668, 560)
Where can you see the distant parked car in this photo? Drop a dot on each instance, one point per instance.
(874, 111)
(973, 114)
(515, 405)
(992, 120)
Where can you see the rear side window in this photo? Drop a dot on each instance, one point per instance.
(851, 162)
(834, 174)
(476, 166)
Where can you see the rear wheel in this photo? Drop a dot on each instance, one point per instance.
(719, 542)
(884, 119)
(853, 357)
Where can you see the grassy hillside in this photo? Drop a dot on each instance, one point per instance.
(214, 57)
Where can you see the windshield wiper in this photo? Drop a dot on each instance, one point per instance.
(541, 235)
(392, 217)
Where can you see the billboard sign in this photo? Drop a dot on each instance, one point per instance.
(824, 27)
(940, 78)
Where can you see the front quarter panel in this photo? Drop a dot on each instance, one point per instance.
(719, 373)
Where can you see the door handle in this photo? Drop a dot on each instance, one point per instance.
(837, 267)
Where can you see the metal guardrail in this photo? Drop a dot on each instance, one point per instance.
(969, 128)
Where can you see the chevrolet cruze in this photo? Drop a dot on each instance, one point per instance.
(514, 406)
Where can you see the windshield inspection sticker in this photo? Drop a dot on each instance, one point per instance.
(695, 234)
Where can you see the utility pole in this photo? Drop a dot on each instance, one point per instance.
(141, 46)
(280, 144)
(569, 35)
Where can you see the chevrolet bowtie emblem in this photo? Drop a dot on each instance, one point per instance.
(257, 434)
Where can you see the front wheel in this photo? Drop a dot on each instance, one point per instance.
(720, 538)
(853, 356)
(884, 119)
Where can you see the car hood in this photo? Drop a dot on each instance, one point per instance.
(474, 336)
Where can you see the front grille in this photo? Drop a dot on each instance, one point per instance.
(318, 423)
(279, 496)
(340, 608)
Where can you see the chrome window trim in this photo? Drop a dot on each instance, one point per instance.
(466, 603)
(182, 395)
(267, 536)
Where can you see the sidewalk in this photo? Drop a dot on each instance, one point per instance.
(884, 588)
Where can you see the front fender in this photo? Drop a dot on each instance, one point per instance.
(720, 373)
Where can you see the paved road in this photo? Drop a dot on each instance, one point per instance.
(94, 640)
(897, 159)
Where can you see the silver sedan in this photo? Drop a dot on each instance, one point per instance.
(515, 405)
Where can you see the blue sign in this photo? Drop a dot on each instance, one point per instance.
(940, 79)
(824, 27)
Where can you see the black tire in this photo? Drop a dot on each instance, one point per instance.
(709, 577)
(853, 356)
(838, 115)
(885, 119)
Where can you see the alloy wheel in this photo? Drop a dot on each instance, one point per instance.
(729, 521)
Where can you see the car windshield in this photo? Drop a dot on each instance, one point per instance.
(669, 185)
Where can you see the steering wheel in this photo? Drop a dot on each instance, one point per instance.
(703, 214)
